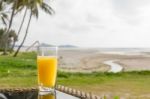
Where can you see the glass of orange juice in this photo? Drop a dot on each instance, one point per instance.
(47, 68)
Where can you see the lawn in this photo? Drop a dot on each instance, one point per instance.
(21, 72)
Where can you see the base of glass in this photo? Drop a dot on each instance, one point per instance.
(44, 90)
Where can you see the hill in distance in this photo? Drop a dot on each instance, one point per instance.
(46, 45)
(62, 46)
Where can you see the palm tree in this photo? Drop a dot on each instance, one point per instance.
(18, 33)
(16, 6)
(2, 31)
(10, 24)
(3, 14)
(33, 6)
(12, 36)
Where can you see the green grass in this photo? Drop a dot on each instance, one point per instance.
(22, 72)
(134, 83)
(18, 71)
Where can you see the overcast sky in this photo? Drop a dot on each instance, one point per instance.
(93, 23)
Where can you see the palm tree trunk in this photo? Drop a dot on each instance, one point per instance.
(25, 13)
(10, 24)
(16, 53)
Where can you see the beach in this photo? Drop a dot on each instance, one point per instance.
(92, 60)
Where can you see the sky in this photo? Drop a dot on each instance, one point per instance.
(92, 23)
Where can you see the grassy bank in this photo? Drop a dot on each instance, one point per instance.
(121, 84)
(21, 72)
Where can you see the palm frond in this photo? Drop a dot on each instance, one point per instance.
(40, 1)
(4, 18)
(35, 12)
(4, 21)
(19, 4)
(4, 15)
(19, 10)
(1, 6)
(47, 8)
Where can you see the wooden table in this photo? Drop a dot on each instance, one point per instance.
(33, 94)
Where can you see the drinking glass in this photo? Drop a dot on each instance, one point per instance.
(47, 68)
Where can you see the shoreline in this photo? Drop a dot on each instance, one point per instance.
(92, 60)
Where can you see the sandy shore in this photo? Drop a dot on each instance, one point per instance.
(90, 60)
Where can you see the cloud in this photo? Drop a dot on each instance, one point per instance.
(93, 23)
(128, 10)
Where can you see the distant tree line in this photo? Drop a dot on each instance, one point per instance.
(11, 38)
(8, 11)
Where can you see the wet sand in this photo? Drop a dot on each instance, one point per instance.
(90, 60)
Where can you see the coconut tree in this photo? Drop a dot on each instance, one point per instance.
(12, 36)
(2, 31)
(3, 14)
(9, 26)
(34, 6)
(20, 28)
(16, 7)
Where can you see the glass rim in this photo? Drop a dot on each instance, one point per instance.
(43, 49)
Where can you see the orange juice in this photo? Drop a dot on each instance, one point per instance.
(49, 96)
(47, 70)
